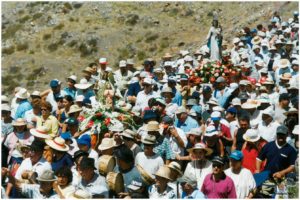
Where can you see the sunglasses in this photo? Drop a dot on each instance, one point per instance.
(44, 109)
(216, 165)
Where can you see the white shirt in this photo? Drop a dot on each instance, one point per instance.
(97, 186)
(29, 115)
(149, 164)
(32, 191)
(39, 167)
(169, 193)
(121, 80)
(142, 99)
(200, 174)
(234, 125)
(171, 109)
(93, 154)
(174, 143)
(255, 119)
(279, 116)
(50, 98)
(243, 182)
(268, 132)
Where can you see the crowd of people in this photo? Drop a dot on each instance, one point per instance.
(234, 135)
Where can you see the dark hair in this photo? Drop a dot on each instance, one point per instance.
(69, 98)
(47, 105)
(284, 96)
(65, 172)
(151, 102)
(92, 64)
(259, 26)
(244, 117)
(87, 163)
(125, 154)
(36, 103)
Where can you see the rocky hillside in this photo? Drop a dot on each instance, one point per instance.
(42, 40)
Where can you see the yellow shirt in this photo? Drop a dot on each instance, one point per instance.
(51, 123)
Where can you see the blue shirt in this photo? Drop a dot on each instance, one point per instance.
(66, 160)
(71, 92)
(278, 158)
(178, 97)
(87, 95)
(187, 125)
(134, 89)
(197, 194)
(24, 105)
(129, 176)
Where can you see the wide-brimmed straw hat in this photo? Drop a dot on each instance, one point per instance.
(58, 144)
(147, 178)
(201, 146)
(164, 172)
(19, 122)
(74, 108)
(83, 84)
(291, 111)
(40, 132)
(80, 194)
(149, 139)
(152, 126)
(256, 40)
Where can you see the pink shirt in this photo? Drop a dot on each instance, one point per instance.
(224, 188)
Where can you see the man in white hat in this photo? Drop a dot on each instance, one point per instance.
(24, 105)
(146, 94)
(147, 159)
(71, 90)
(122, 76)
(267, 127)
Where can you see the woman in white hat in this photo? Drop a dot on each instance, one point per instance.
(161, 189)
(199, 167)
(20, 135)
(251, 148)
(60, 156)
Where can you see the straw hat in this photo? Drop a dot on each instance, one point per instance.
(74, 108)
(19, 122)
(249, 105)
(201, 146)
(283, 63)
(145, 176)
(106, 164)
(106, 143)
(58, 144)
(40, 132)
(152, 126)
(175, 166)
(88, 69)
(256, 40)
(47, 176)
(286, 76)
(213, 101)
(129, 134)
(164, 172)
(22, 94)
(80, 194)
(83, 84)
(251, 135)
(149, 139)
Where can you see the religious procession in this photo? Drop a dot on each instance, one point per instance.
(220, 122)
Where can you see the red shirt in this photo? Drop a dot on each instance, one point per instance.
(250, 156)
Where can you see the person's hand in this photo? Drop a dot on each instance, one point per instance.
(173, 131)
(123, 194)
(77, 134)
(55, 186)
(278, 175)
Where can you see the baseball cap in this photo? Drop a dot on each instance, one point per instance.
(218, 159)
(282, 129)
(232, 110)
(84, 140)
(206, 89)
(87, 163)
(215, 116)
(168, 120)
(122, 63)
(236, 155)
(54, 83)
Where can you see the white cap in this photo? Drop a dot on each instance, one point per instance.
(295, 62)
(79, 98)
(255, 47)
(130, 61)
(210, 131)
(4, 99)
(269, 111)
(73, 77)
(236, 102)
(122, 63)
(148, 81)
(102, 61)
(215, 114)
(35, 93)
(236, 40)
(144, 74)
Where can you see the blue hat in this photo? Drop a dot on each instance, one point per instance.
(54, 83)
(236, 155)
(66, 136)
(206, 89)
(149, 114)
(232, 110)
(84, 140)
(72, 121)
(254, 31)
